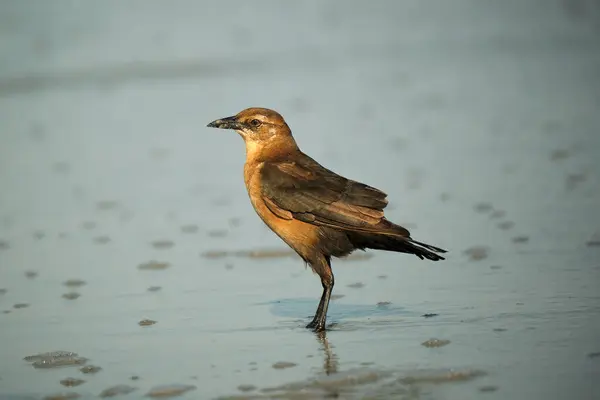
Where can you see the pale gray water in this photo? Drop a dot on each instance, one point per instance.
(449, 107)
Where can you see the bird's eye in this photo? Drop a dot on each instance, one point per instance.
(255, 123)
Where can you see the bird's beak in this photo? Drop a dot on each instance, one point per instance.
(226, 123)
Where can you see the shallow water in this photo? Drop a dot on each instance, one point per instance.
(126, 235)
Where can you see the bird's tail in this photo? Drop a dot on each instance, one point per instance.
(399, 244)
(423, 250)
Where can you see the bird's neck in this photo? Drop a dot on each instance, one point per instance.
(270, 150)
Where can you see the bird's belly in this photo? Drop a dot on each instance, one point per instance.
(306, 239)
(299, 235)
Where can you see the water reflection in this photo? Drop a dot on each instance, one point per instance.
(330, 359)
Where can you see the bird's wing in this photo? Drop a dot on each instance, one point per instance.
(304, 190)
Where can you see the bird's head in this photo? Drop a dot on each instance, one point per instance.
(258, 125)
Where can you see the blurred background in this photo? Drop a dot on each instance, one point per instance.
(127, 237)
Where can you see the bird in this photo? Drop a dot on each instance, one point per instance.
(315, 211)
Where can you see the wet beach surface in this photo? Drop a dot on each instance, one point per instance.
(132, 263)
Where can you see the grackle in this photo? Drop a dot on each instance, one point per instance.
(316, 212)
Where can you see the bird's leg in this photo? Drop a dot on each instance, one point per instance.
(318, 322)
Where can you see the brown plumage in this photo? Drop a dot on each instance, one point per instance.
(316, 212)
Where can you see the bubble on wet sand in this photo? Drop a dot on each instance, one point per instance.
(90, 369)
(246, 388)
(431, 343)
(117, 390)
(56, 362)
(520, 239)
(266, 253)
(159, 153)
(594, 241)
(74, 283)
(356, 285)
(477, 253)
(217, 233)
(153, 265)
(62, 396)
(324, 386)
(165, 391)
(71, 382)
(283, 365)
(234, 222)
(162, 244)
(55, 359)
(252, 254)
(58, 353)
(71, 296)
(506, 225)
(483, 207)
(215, 254)
(559, 154)
(497, 214)
(31, 274)
(37, 132)
(398, 143)
(444, 197)
(442, 376)
(106, 205)
(101, 239)
(189, 228)
(61, 167)
(222, 201)
(572, 181)
(88, 225)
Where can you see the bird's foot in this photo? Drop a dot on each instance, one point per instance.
(316, 326)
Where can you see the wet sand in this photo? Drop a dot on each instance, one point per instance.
(127, 238)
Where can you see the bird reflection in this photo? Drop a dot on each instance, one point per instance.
(330, 360)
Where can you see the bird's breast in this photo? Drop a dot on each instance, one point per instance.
(297, 234)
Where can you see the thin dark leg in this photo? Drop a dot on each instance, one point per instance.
(321, 313)
(318, 322)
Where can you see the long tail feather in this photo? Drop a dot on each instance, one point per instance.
(397, 244)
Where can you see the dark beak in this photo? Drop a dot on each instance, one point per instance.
(226, 123)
